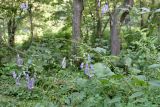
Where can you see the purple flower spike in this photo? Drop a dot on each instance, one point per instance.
(27, 77)
(105, 8)
(89, 58)
(92, 67)
(86, 71)
(82, 65)
(19, 61)
(30, 83)
(17, 81)
(24, 6)
(14, 74)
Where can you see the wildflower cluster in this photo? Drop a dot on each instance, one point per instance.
(30, 81)
(16, 77)
(88, 67)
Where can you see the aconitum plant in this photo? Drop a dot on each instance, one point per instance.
(89, 58)
(14, 74)
(88, 67)
(82, 65)
(30, 81)
(18, 81)
(16, 77)
(19, 61)
(105, 8)
(24, 6)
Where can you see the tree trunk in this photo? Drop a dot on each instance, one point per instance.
(76, 27)
(11, 31)
(31, 23)
(115, 32)
(0, 38)
(116, 18)
(99, 22)
(142, 21)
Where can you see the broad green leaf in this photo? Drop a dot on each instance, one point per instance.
(154, 66)
(128, 61)
(101, 70)
(81, 82)
(115, 100)
(39, 105)
(134, 70)
(100, 50)
(155, 83)
(141, 77)
(77, 97)
(137, 94)
(140, 100)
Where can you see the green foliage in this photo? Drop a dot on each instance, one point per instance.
(131, 79)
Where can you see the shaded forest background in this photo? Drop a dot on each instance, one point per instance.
(89, 53)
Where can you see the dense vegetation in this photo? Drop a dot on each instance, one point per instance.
(75, 53)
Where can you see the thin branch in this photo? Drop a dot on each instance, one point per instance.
(105, 26)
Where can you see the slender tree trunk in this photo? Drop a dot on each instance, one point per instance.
(0, 38)
(116, 18)
(11, 31)
(31, 22)
(76, 27)
(99, 22)
(142, 21)
(115, 32)
(1, 33)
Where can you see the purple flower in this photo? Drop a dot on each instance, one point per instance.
(30, 83)
(14, 74)
(89, 58)
(19, 61)
(86, 70)
(92, 67)
(89, 70)
(18, 81)
(105, 8)
(27, 77)
(24, 6)
(82, 65)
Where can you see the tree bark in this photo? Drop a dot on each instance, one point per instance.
(99, 22)
(76, 24)
(31, 23)
(116, 18)
(0, 38)
(114, 32)
(142, 21)
(11, 31)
